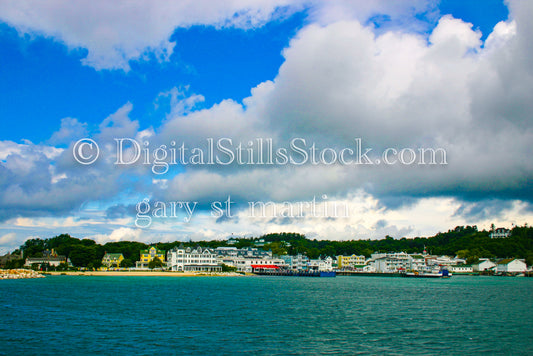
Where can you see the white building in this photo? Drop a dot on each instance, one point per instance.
(321, 264)
(418, 263)
(483, 265)
(198, 259)
(500, 232)
(511, 265)
(444, 261)
(391, 262)
(250, 264)
(462, 269)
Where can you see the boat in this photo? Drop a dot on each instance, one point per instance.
(428, 274)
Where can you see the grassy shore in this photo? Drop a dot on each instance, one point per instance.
(147, 274)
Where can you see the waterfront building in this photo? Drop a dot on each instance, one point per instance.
(462, 269)
(50, 258)
(146, 256)
(298, 262)
(250, 264)
(418, 263)
(500, 232)
(320, 264)
(198, 259)
(511, 265)
(248, 252)
(391, 262)
(444, 261)
(483, 265)
(112, 259)
(349, 262)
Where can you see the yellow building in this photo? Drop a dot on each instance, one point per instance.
(344, 262)
(148, 255)
(112, 259)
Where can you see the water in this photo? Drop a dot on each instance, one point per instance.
(266, 315)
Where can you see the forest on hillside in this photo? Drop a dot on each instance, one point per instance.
(464, 241)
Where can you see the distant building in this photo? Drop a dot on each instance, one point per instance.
(483, 265)
(250, 252)
(418, 262)
(444, 261)
(198, 259)
(349, 262)
(10, 257)
(50, 258)
(112, 260)
(146, 256)
(260, 243)
(325, 264)
(511, 265)
(500, 232)
(391, 262)
(232, 240)
(462, 269)
(245, 264)
(298, 262)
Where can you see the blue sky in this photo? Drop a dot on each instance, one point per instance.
(218, 64)
(262, 70)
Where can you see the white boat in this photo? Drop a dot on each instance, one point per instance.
(428, 274)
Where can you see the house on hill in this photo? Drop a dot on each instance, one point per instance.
(500, 232)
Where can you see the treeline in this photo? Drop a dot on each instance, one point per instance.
(466, 241)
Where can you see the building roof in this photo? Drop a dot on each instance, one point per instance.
(113, 255)
(265, 266)
(147, 251)
(46, 258)
(506, 261)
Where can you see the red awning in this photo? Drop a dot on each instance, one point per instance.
(264, 266)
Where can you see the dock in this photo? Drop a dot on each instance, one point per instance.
(288, 273)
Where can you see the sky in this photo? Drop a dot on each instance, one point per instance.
(328, 76)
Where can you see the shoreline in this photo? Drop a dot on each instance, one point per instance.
(145, 274)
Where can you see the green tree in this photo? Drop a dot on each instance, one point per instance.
(226, 268)
(126, 263)
(13, 264)
(155, 263)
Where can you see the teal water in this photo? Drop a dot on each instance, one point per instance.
(266, 315)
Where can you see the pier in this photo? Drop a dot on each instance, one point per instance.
(288, 273)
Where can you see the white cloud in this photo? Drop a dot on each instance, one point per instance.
(120, 234)
(116, 32)
(71, 129)
(339, 81)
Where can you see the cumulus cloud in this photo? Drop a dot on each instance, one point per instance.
(341, 79)
(71, 129)
(115, 33)
(120, 234)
